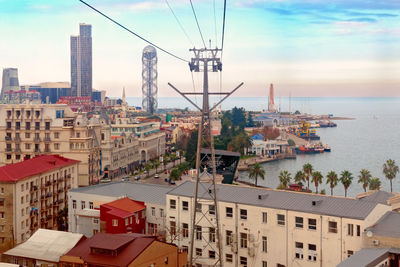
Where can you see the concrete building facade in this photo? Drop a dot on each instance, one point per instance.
(9, 81)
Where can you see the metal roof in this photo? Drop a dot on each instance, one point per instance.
(368, 257)
(388, 225)
(220, 152)
(148, 193)
(46, 245)
(285, 200)
(378, 197)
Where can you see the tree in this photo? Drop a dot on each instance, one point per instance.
(284, 178)
(175, 174)
(390, 169)
(375, 184)
(148, 167)
(238, 118)
(62, 219)
(299, 178)
(256, 171)
(323, 192)
(346, 178)
(250, 121)
(317, 179)
(332, 179)
(364, 178)
(240, 143)
(291, 142)
(307, 169)
(192, 148)
(165, 161)
(173, 158)
(156, 164)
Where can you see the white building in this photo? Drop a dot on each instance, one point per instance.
(262, 148)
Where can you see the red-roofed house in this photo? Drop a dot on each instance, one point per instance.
(134, 250)
(123, 216)
(31, 194)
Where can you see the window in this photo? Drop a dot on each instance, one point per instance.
(185, 205)
(243, 261)
(228, 237)
(83, 204)
(229, 212)
(199, 252)
(1, 228)
(243, 240)
(211, 209)
(349, 253)
(172, 204)
(56, 135)
(243, 214)
(185, 230)
(27, 125)
(358, 230)
(2, 215)
(114, 222)
(211, 234)
(211, 254)
(153, 211)
(264, 264)
(8, 124)
(264, 244)
(74, 204)
(47, 125)
(312, 252)
(228, 257)
(198, 207)
(126, 221)
(22, 200)
(312, 224)
(91, 205)
(56, 146)
(198, 232)
(27, 135)
(22, 212)
(332, 227)
(172, 228)
(299, 222)
(95, 221)
(350, 229)
(9, 156)
(161, 212)
(22, 187)
(281, 219)
(299, 250)
(27, 146)
(37, 125)
(264, 217)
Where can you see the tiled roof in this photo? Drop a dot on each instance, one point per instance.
(126, 204)
(285, 200)
(27, 168)
(148, 193)
(388, 225)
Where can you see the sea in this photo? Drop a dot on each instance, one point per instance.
(366, 141)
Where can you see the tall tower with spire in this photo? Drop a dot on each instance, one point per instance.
(271, 101)
(123, 104)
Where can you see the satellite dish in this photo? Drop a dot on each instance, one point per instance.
(369, 234)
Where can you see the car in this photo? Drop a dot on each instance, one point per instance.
(137, 178)
(171, 182)
(125, 179)
(105, 180)
(156, 176)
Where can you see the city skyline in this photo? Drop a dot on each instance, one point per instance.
(306, 48)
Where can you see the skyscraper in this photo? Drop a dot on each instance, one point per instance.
(149, 79)
(81, 62)
(10, 80)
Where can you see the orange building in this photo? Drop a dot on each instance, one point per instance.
(120, 250)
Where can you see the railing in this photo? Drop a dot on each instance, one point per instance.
(8, 138)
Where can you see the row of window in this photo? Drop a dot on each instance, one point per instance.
(83, 204)
(28, 146)
(28, 125)
(18, 113)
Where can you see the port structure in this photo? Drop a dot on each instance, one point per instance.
(205, 211)
(149, 79)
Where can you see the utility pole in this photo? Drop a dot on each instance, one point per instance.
(205, 206)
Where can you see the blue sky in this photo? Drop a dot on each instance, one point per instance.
(304, 47)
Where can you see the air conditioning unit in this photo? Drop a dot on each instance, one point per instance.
(234, 249)
(375, 242)
(251, 251)
(251, 237)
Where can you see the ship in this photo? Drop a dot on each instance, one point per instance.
(326, 124)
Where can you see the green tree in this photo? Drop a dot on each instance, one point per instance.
(299, 178)
(238, 118)
(175, 174)
(250, 121)
(307, 169)
(165, 161)
(240, 143)
(332, 179)
(291, 142)
(173, 158)
(375, 184)
(256, 171)
(390, 169)
(284, 178)
(148, 167)
(317, 179)
(192, 148)
(364, 178)
(156, 164)
(346, 178)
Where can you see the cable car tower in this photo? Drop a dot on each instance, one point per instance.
(205, 211)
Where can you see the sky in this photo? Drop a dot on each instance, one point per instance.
(304, 47)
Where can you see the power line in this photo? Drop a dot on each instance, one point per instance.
(179, 23)
(223, 28)
(215, 26)
(197, 22)
(137, 35)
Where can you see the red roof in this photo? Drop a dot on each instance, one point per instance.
(40, 164)
(124, 207)
(129, 247)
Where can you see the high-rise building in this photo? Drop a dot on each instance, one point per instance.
(149, 79)
(10, 80)
(81, 62)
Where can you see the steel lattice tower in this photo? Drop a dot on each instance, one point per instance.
(149, 79)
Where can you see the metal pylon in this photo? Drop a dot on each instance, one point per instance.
(205, 213)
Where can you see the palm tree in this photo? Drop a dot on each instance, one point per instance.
(307, 169)
(364, 178)
(156, 164)
(299, 178)
(375, 184)
(332, 180)
(165, 161)
(148, 167)
(317, 179)
(284, 178)
(346, 178)
(390, 169)
(173, 158)
(256, 171)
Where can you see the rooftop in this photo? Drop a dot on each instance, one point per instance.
(368, 257)
(148, 193)
(124, 207)
(378, 196)
(46, 245)
(37, 165)
(387, 225)
(285, 200)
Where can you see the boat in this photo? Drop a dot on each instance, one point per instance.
(326, 124)
(327, 148)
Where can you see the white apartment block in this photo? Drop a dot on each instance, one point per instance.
(84, 203)
(262, 227)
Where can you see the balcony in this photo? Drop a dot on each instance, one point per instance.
(48, 183)
(17, 139)
(8, 138)
(8, 149)
(36, 139)
(17, 149)
(47, 139)
(34, 188)
(47, 150)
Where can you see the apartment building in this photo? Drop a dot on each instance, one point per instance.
(262, 227)
(85, 202)
(28, 130)
(31, 194)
